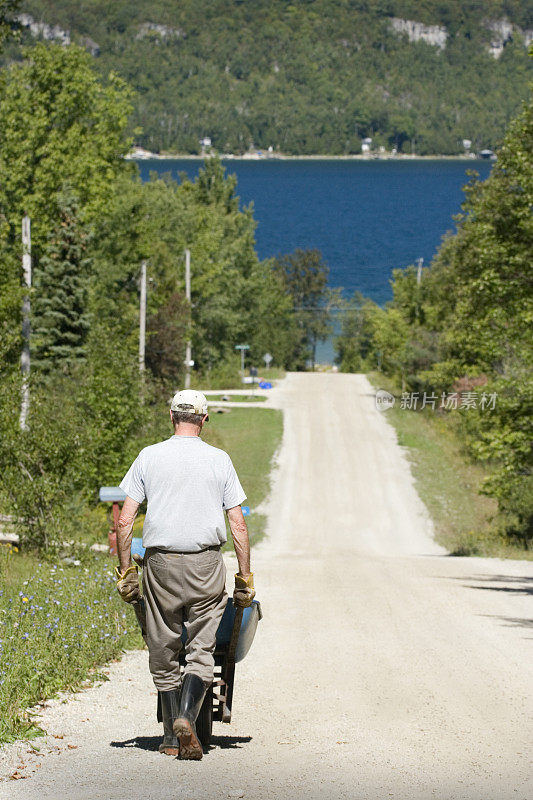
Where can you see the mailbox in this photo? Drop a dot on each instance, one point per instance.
(112, 494)
(115, 495)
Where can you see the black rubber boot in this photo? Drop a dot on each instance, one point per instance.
(170, 703)
(193, 691)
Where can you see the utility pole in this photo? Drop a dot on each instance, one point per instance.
(26, 329)
(188, 353)
(142, 319)
(419, 262)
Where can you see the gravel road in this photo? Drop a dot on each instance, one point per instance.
(383, 668)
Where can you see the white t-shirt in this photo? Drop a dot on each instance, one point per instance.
(187, 484)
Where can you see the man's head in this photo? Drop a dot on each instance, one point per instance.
(189, 408)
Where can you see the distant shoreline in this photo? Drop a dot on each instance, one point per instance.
(255, 158)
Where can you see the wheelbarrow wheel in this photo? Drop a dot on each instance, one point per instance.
(204, 722)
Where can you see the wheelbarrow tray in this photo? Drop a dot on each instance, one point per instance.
(250, 620)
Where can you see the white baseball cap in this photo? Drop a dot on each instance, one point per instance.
(189, 400)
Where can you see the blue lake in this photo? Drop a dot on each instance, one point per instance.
(367, 217)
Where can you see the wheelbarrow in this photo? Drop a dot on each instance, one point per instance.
(234, 638)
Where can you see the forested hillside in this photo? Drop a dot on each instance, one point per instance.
(308, 76)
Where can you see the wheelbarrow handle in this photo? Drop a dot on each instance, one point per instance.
(228, 672)
(235, 633)
(140, 612)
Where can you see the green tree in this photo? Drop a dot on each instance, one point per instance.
(354, 346)
(60, 125)
(8, 9)
(222, 245)
(39, 475)
(305, 276)
(489, 326)
(156, 221)
(11, 295)
(391, 340)
(166, 339)
(113, 417)
(61, 318)
(272, 326)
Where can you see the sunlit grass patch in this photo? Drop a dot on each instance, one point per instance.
(237, 398)
(251, 437)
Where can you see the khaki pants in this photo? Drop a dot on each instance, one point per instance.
(178, 588)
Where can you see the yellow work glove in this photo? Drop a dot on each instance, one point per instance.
(244, 591)
(128, 584)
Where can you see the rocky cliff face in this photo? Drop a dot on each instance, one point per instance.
(435, 35)
(43, 30)
(155, 29)
(502, 31)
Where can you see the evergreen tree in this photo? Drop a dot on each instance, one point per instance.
(166, 342)
(61, 320)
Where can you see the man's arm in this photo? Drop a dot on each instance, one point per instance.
(244, 580)
(124, 532)
(241, 540)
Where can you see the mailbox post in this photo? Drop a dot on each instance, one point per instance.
(114, 495)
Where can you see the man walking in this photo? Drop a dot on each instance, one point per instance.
(187, 484)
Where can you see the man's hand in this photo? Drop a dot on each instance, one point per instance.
(128, 584)
(244, 591)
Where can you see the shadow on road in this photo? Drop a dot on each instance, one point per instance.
(229, 742)
(514, 584)
(142, 742)
(152, 743)
(512, 622)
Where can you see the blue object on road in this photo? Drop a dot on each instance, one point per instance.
(137, 547)
(245, 511)
(265, 385)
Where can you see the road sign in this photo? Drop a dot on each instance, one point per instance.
(267, 358)
(242, 348)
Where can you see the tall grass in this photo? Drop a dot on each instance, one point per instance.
(57, 624)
